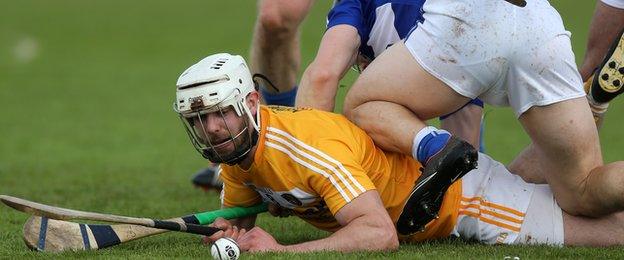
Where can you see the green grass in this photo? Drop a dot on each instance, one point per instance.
(86, 121)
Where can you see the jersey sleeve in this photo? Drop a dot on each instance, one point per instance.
(235, 193)
(337, 176)
(346, 12)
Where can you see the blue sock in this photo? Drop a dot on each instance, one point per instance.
(428, 142)
(281, 99)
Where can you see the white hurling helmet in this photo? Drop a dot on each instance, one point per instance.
(215, 84)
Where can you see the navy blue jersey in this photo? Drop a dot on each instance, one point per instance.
(380, 23)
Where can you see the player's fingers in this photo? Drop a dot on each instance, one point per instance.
(243, 242)
(221, 223)
(216, 236)
(241, 233)
(234, 233)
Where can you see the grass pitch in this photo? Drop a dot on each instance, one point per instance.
(86, 122)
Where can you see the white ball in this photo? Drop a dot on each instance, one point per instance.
(225, 248)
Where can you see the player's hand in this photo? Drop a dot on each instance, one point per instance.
(258, 240)
(227, 230)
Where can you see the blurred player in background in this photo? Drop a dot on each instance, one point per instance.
(275, 53)
(357, 32)
(338, 181)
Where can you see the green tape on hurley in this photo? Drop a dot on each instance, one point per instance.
(230, 213)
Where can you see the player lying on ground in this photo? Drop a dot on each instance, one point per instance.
(320, 167)
(357, 32)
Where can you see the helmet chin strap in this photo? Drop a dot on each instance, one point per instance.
(256, 121)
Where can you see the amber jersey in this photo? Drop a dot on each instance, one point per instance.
(314, 163)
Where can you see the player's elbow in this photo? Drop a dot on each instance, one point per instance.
(385, 236)
(322, 80)
(391, 241)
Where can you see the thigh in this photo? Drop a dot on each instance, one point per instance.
(396, 77)
(528, 166)
(565, 137)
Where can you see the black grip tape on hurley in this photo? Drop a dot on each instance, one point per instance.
(189, 228)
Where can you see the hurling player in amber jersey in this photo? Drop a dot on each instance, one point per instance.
(320, 167)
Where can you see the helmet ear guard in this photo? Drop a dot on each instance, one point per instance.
(215, 83)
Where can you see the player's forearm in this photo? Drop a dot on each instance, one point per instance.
(362, 234)
(318, 89)
(320, 80)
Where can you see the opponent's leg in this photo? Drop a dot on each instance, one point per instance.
(566, 148)
(466, 124)
(382, 102)
(391, 102)
(603, 86)
(527, 166)
(275, 47)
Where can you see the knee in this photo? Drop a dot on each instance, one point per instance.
(276, 19)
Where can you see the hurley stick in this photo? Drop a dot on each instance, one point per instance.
(66, 214)
(50, 235)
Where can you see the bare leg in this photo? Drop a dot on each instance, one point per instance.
(604, 231)
(565, 145)
(382, 100)
(465, 124)
(526, 165)
(275, 44)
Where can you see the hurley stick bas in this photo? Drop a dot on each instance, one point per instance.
(50, 235)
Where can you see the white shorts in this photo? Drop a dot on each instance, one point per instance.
(504, 54)
(498, 207)
(614, 3)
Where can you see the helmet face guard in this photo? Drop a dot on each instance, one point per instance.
(211, 102)
(237, 133)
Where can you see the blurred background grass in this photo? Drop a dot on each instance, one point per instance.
(86, 89)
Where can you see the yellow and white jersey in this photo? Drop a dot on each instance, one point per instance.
(314, 163)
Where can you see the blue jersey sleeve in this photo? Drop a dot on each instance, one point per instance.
(347, 12)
